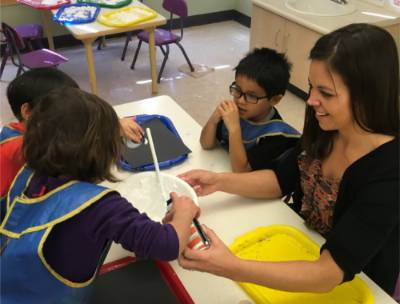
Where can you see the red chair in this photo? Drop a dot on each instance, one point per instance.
(164, 37)
(41, 58)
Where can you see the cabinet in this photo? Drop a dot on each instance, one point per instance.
(273, 31)
(394, 29)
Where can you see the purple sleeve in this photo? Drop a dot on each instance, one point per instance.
(114, 218)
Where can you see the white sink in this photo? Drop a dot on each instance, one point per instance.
(320, 7)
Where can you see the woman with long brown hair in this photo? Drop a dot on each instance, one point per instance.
(343, 178)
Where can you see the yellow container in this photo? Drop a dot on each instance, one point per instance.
(126, 16)
(286, 243)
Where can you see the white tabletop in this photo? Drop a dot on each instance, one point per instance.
(229, 215)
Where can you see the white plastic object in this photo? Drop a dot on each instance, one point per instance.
(155, 162)
(143, 191)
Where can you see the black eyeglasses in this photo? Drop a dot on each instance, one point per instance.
(236, 92)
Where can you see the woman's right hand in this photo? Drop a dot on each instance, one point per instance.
(218, 259)
(202, 181)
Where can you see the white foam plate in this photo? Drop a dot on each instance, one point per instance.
(143, 192)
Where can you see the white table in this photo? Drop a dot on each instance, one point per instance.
(229, 215)
(89, 32)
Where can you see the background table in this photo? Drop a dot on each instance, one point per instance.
(89, 32)
(229, 215)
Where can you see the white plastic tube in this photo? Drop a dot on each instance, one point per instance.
(155, 161)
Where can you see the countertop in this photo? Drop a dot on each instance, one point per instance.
(323, 24)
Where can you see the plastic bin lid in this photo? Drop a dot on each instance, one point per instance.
(77, 13)
(108, 3)
(286, 243)
(44, 4)
(171, 150)
(126, 16)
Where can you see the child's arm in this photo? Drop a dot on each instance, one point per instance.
(237, 152)
(181, 215)
(208, 137)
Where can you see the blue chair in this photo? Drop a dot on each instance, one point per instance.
(163, 38)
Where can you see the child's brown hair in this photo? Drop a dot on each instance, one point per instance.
(73, 134)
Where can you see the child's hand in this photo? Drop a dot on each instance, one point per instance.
(216, 117)
(230, 114)
(182, 207)
(131, 129)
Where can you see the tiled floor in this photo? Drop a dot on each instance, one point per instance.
(219, 46)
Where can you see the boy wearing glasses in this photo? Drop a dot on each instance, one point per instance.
(249, 126)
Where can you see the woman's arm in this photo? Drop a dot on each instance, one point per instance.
(320, 275)
(256, 184)
(282, 180)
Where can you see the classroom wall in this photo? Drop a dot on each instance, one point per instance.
(18, 14)
(244, 7)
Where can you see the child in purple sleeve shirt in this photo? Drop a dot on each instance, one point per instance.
(59, 219)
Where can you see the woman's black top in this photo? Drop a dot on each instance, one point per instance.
(365, 227)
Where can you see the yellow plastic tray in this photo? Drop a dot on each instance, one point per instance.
(126, 16)
(285, 243)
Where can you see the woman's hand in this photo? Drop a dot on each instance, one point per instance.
(217, 259)
(202, 181)
(131, 129)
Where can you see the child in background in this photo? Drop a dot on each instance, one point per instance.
(22, 95)
(249, 126)
(61, 220)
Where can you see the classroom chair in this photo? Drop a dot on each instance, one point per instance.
(101, 41)
(163, 38)
(15, 46)
(30, 33)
